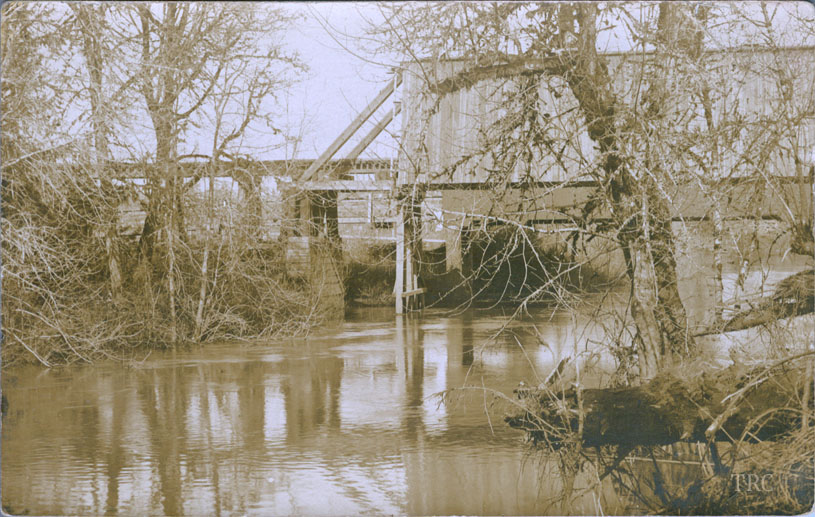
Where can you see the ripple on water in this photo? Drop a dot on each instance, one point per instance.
(262, 428)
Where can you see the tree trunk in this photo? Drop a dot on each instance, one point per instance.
(642, 215)
(202, 296)
(171, 280)
(90, 24)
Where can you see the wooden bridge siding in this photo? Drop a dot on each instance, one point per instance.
(411, 118)
(448, 134)
(453, 130)
(689, 202)
(366, 215)
(691, 211)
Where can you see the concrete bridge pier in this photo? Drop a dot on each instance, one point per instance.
(699, 289)
(314, 247)
(458, 263)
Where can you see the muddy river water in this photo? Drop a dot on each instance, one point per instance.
(343, 422)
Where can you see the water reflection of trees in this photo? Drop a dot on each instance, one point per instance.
(164, 405)
(115, 456)
(186, 434)
(311, 390)
(410, 337)
(74, 425)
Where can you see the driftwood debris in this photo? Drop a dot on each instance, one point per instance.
(794, 296)
(698, 405)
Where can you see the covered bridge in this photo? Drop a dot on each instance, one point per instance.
(451, 170)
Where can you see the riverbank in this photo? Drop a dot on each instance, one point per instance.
(62, 316)
(744, 408)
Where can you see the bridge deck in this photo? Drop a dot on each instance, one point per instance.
(749, 198)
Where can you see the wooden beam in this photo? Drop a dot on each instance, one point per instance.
(421, 290)
(348, 186)
(399, 283)
(380, 126)
(352, 128)
(348, 162)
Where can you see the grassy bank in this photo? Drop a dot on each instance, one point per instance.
(75, 289)
(68, 314)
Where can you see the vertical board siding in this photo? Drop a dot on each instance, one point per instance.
(741, 83)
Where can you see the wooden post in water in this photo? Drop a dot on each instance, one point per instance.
(409, 285)
(406, 286)
(413, 260)
(399, 284)
(404, 178)
(409, 295)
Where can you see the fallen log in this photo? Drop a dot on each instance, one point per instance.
(794, 296)
(730, 404)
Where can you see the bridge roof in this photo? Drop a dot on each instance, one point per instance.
(757, 49)
(278, 168)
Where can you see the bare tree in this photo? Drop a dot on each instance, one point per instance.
(554, 87)
(695, 103)
(80, 84)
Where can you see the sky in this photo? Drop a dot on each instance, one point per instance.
(340, 82)
(342, 79)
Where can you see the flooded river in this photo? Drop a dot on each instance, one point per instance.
(345, 422)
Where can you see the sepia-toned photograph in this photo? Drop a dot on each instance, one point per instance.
(407, 258)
